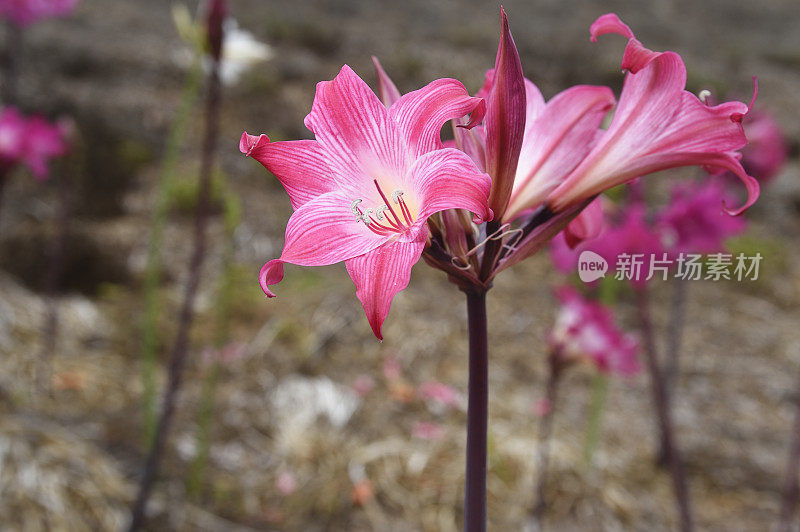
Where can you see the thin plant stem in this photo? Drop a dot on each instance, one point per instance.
(595, 419)
(3, 179)
(664, 414)
(477, 413)
(152, 276)
(180, 347)
(791, 490)
(10, 64)
(55, 270)
(675, 332)
(545, 432)
(205, 415)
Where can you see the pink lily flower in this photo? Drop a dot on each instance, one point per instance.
(585, 331)
(693, 221)
(766, 151)
(657, 125)
(26, 12)
(363, 190)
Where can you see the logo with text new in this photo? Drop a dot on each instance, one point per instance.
(591, 266)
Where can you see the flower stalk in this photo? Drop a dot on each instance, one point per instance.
(556, 366)
(180, 347)
(477, 413)
(664, 414)
(791, 490)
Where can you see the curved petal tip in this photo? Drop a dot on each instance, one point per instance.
(247, 142)
(271, 273)
(609, 23)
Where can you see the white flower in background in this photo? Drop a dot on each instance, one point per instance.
(240, 49)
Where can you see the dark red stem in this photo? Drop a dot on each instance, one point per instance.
(477, 414)
(180, 347)
(663, 412)
(55, 270)
(9, 63)
(789, 494)
(545, 431)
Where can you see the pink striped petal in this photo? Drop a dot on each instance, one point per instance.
(422, 113)
(356, 132)
(382, 273)
(300, 165)
(505, 119)
(387, 90)
(448, 179)
(657, 125)
(555, 142)
(323, 231)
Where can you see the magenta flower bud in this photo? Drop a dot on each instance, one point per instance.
(505, 119)
(217, 11)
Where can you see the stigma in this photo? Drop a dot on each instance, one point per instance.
(391, 217)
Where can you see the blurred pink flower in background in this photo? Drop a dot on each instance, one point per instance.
(631, 235)
(693, 222)
(13, 128)
(425, 430)
(766, 150)
(30, 141)
(391, 368)
(441, 393)
(541, 407)
(585, 331)
(286, 483)
(26, 12)
(363, 384)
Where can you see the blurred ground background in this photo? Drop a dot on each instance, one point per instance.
(286, 409)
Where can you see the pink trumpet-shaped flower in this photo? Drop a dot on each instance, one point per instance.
(693, 221)
(585, 330)
(657, 125)
(557, 135)
(26, 12)
(364, 189)
(766, 150)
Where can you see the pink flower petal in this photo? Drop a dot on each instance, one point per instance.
(422, 113)
(448, 179)
(323, 231)
(300, 165)
(555, 142)
(382, 273)
(587, 225)
(356, 132)
(387, 90)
